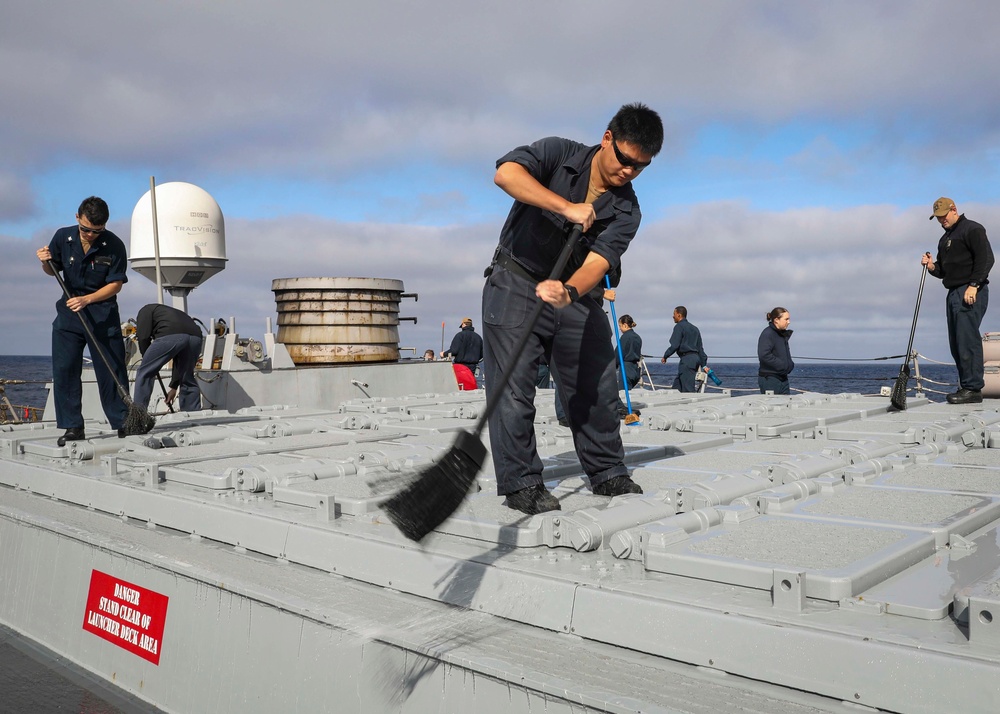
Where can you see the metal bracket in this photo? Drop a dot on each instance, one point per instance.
(788, 591)
(957, 542)
(984, 623)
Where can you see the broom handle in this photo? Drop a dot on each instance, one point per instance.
(618, 341)
(560, 265)
(164, 389)
(93, 340)
(916, 311)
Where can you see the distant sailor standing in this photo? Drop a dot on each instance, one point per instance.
(92, 260)
(466, 347)
(774, 354)
(964, 259)
(631, 354)
(686, 341)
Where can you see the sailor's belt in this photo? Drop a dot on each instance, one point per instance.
(508, 263)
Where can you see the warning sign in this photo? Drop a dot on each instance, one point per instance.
(127, 615)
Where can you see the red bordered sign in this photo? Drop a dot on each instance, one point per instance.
(126, 615)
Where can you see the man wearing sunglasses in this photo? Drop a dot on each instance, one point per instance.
(556, 183)
(92, 261)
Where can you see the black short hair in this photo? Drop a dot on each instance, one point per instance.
(683, 311)
(95, 210)
(775, 314)
(639, 125)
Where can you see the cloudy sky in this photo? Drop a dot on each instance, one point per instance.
(806, 142)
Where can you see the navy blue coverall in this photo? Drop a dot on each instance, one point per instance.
(685, 340)
(576, 341)
(104, 263)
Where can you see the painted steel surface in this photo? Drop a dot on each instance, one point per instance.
(818, 549)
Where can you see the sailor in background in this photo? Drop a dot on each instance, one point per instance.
(686, 342)
(774, 354)
(631, 354)
(92, 261)
(556, 183)
(466, 346)
(165, 333)
(964, 259)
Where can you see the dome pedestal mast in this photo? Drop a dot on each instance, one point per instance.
(191, 233)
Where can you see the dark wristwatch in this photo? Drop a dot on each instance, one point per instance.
(974, 285)
(574, 294)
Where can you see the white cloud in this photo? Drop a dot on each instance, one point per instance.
(309, 85)
(848, 277)
(805, 141)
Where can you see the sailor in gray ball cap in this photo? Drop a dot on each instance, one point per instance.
(963, 262)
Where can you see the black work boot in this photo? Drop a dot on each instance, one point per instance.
(71, 435)
(966, 396)
(532, 500)
(617, 486)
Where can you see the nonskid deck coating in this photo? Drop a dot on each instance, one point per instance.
(758, 512)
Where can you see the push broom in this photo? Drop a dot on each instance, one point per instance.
(631, 419)
(138, 420)
(441, 487)
(898, 396)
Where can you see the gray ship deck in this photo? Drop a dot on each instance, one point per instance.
(788, 554)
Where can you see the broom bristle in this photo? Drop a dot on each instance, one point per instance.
(898, 396)
(435, 494)
(137, 421)
(633, 420)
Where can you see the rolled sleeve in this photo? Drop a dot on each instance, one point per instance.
(615, 239)
(119, 265)
(56, 249)
(543, 157)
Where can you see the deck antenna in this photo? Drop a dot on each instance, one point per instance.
(156, 241)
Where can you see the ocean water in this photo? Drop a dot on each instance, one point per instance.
(35, 372)
(812, 376)
(866, 377)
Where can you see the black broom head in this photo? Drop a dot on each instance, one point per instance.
(438, 490)
(137, 421)
(898, 396)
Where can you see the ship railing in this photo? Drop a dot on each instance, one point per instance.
(17, 413)
(919, 384)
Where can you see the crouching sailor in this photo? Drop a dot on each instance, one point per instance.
(165, 333)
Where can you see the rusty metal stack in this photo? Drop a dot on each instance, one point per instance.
(991, 364)
(338, 320)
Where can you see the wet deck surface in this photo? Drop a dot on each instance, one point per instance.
(37, 681)
(776, 535)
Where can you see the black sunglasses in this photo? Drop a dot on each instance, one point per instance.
(625, 161)
(91, 231)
